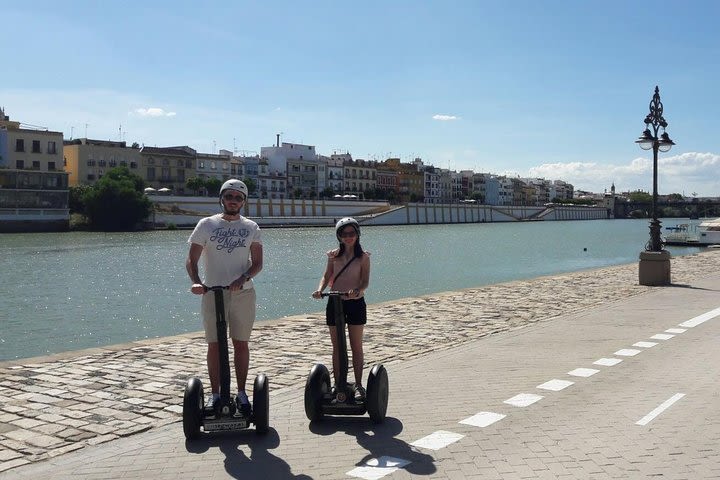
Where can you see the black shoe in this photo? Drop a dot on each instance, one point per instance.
(359, 393)
(244, 408)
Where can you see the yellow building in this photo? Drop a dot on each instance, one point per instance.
(86, 160)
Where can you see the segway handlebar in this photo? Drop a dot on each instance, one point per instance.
(334, 293)
(216, 287)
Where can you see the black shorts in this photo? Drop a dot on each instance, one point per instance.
(355, 312)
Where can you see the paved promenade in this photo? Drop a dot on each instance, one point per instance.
(547, 401)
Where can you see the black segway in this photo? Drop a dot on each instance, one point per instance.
(321, 401)
(223, 415)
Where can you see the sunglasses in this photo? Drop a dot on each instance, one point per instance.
(234, 198)
(348, 234)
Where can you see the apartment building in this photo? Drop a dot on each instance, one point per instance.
(214, 165)
(336, 171)
(87, 160)
(360, 176)
(168, 167)
(33, 185)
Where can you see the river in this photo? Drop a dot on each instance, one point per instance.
(68, 291)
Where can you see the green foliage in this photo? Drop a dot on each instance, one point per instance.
(213, 186)
(675, 197)
(116, 202)
(477, 196)
(251, 184)
(75, 201)
(195, 184)
(640, 197)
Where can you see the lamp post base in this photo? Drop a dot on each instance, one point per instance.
(654, 269)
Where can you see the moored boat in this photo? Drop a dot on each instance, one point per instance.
(705, 234)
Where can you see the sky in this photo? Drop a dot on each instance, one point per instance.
(551, 89)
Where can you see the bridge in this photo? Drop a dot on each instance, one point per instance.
(691, 209)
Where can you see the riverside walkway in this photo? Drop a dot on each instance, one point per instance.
(452, 357)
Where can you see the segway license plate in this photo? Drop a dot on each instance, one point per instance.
(226, 424)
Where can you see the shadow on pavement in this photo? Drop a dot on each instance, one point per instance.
(378, 440)
(260, 464)
(684, 285)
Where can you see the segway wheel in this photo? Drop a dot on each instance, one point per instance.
(317, 385)
(378, 392)
(261, 403)
(192, 408)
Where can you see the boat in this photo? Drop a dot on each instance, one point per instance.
(706, 233)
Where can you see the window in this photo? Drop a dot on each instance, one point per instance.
(201, 164)
(20, 164)
(91, 176)
(180, 163)
(51, 148)
(36, 165)
(133, 164)
(151, 174)
(51, 166)
(19, 145)
(36, 146)
(212, 165)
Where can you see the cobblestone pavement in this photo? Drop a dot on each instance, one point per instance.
(55, 405)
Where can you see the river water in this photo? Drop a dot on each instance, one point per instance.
(68, 291)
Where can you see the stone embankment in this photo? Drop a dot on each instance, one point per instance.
(57, 404)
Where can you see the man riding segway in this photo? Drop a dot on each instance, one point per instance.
(231, 247)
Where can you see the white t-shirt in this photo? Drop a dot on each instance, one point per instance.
(226, 248)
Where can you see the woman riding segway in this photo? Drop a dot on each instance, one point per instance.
(347, 273)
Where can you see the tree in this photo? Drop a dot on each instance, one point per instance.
(75, 200)
(478, 197)
(251, 184)
(195, 184)
(675, 197)
(213, 186)
(640, 197)
(117, 202)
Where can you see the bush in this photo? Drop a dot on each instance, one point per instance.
(117, 201)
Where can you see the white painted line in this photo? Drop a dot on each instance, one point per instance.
(607, 362)
(694, 322)
(555, 385)
(523, 399)
(376, 468)
(483, 419)
(662, 336)
(627, 352)
(676, 330)
(644, 344)
(437, 440)
(663, 406)
(583, 372)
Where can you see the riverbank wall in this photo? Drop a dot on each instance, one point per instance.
(187, 211)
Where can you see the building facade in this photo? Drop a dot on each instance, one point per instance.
(87, 160)
(33, 185)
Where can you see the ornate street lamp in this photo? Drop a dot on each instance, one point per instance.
(650, 140)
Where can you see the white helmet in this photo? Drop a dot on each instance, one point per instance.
(234, 184)
(344, 222)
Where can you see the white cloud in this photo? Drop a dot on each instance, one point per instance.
(154, 112)
(445, 118)
(687, 172)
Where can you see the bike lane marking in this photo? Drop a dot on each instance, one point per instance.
(661, 408)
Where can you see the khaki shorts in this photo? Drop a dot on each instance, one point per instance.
(239, 314)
